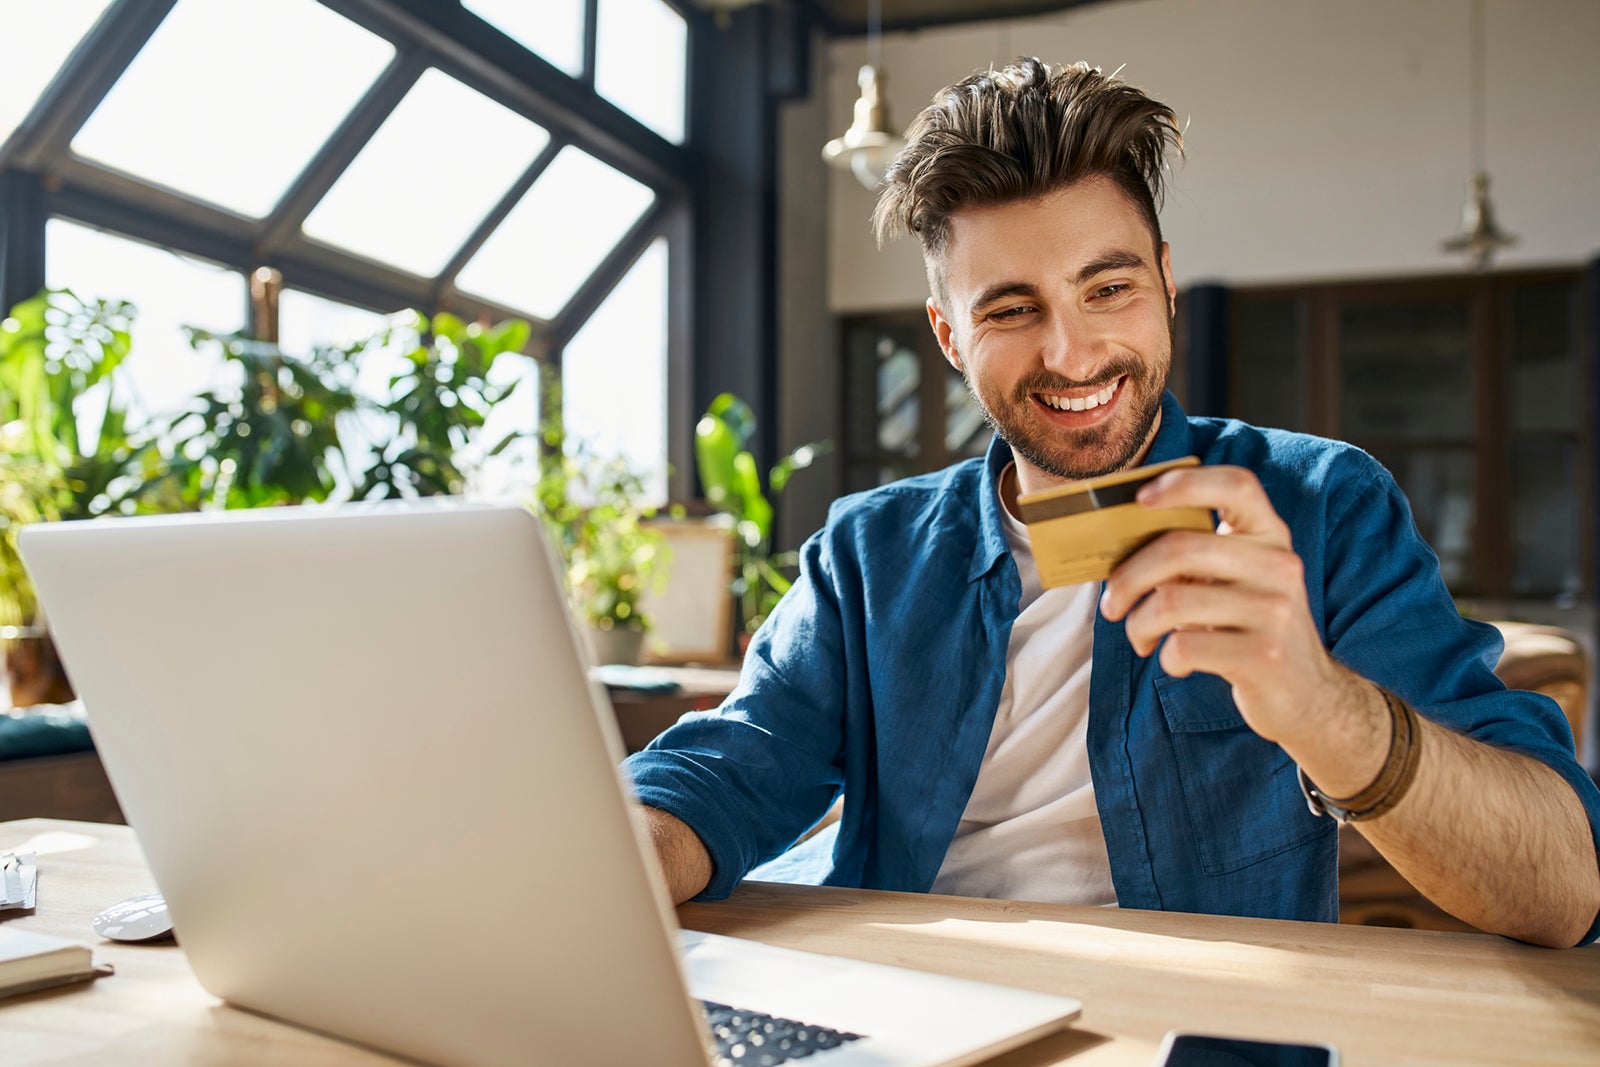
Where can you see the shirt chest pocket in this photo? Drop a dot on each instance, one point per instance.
(1240, 790)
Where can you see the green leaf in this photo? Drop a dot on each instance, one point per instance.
(450, 326)
(715, 446)
(798, 460)
(747, 484)
(509, 336)
(737, 415)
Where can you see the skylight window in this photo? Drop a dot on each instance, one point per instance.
(228, 102)
(624, 341)
(556, 235)
(52, 31)
(553, 29)
(640, 60)
(428, 177)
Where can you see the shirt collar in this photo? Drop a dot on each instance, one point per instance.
(1173, 440)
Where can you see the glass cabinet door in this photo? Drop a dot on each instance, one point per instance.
(1473, 390)
(906, 410)
(1406, 393)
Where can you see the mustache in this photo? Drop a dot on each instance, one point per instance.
(1047, 382)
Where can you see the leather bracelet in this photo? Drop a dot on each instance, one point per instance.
(1394, 778)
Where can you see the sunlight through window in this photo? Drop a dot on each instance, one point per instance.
(52, 31)
(162, 373)
(228, 102)
(556, 236)
(552, 29)
(428, 177)
(640, 61)
(625, 341)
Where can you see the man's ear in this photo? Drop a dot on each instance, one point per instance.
(1166, 276)
(944, 333)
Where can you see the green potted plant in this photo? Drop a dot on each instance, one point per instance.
(274, 439)
(591, 507)
(732, 482)
(64, 453)
(28, 493)
(277, 438)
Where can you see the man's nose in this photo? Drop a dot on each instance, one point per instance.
(1071, 347)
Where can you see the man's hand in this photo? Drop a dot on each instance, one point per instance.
(1233, 603)
(1492, 836)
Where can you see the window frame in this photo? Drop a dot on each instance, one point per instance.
(41, 177)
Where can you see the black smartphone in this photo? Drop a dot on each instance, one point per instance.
(1204, 1050)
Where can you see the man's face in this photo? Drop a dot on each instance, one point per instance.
(1059, 316)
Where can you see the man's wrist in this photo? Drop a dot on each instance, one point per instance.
(1393, 780)
(1345, 743)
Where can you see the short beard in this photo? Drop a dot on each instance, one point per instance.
(1075, 465)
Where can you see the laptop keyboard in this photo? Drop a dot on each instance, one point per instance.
(751, 1039)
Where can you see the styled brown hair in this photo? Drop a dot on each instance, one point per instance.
(1018, 133)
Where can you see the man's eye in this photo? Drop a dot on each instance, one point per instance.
(1108, 292)
(1011, 314)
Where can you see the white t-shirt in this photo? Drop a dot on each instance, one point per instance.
(1031, 830)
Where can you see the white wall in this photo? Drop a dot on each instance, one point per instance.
(1325, 139)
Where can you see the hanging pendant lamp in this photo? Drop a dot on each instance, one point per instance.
(870, 144)
(1479, 234)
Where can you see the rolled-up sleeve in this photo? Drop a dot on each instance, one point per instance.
(750, 777)
(1390, 618)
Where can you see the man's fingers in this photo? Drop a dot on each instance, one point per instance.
(1234, 493)
(1229, 654)
(1186, 606)
(1191, 556)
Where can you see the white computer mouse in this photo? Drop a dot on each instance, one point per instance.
(136, 919)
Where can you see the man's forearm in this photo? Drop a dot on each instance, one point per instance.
(1491, 836)
(684, 859)
(1495, 838)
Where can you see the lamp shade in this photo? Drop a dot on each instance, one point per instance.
(870, 144)
(1479, 235)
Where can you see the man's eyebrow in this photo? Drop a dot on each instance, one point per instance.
(1001, 290)
(1109, 261)
(1116, 259)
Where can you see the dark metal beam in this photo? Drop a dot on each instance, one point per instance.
(734, 286)
(1590, 347)
(221, 237)
(496, 216)
(104, 197)
(472, 51)
(341, 148)
(591, 40)
(22, 219)
(681, 414)
(1207, 315)
(605, 276)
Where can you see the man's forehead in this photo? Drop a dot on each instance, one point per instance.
(1033, 241)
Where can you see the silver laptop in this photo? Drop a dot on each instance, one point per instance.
(373, 776)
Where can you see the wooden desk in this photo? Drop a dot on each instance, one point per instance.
(1382, 996)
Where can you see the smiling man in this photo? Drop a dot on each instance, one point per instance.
(1176, 737)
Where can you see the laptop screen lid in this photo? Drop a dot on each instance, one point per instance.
(346, 739)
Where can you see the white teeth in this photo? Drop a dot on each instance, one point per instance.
(1082, 403)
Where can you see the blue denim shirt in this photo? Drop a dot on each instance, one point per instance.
(879, 675)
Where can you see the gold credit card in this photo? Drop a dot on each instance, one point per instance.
(1082, 530)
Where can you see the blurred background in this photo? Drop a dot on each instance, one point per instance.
(638, 188)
